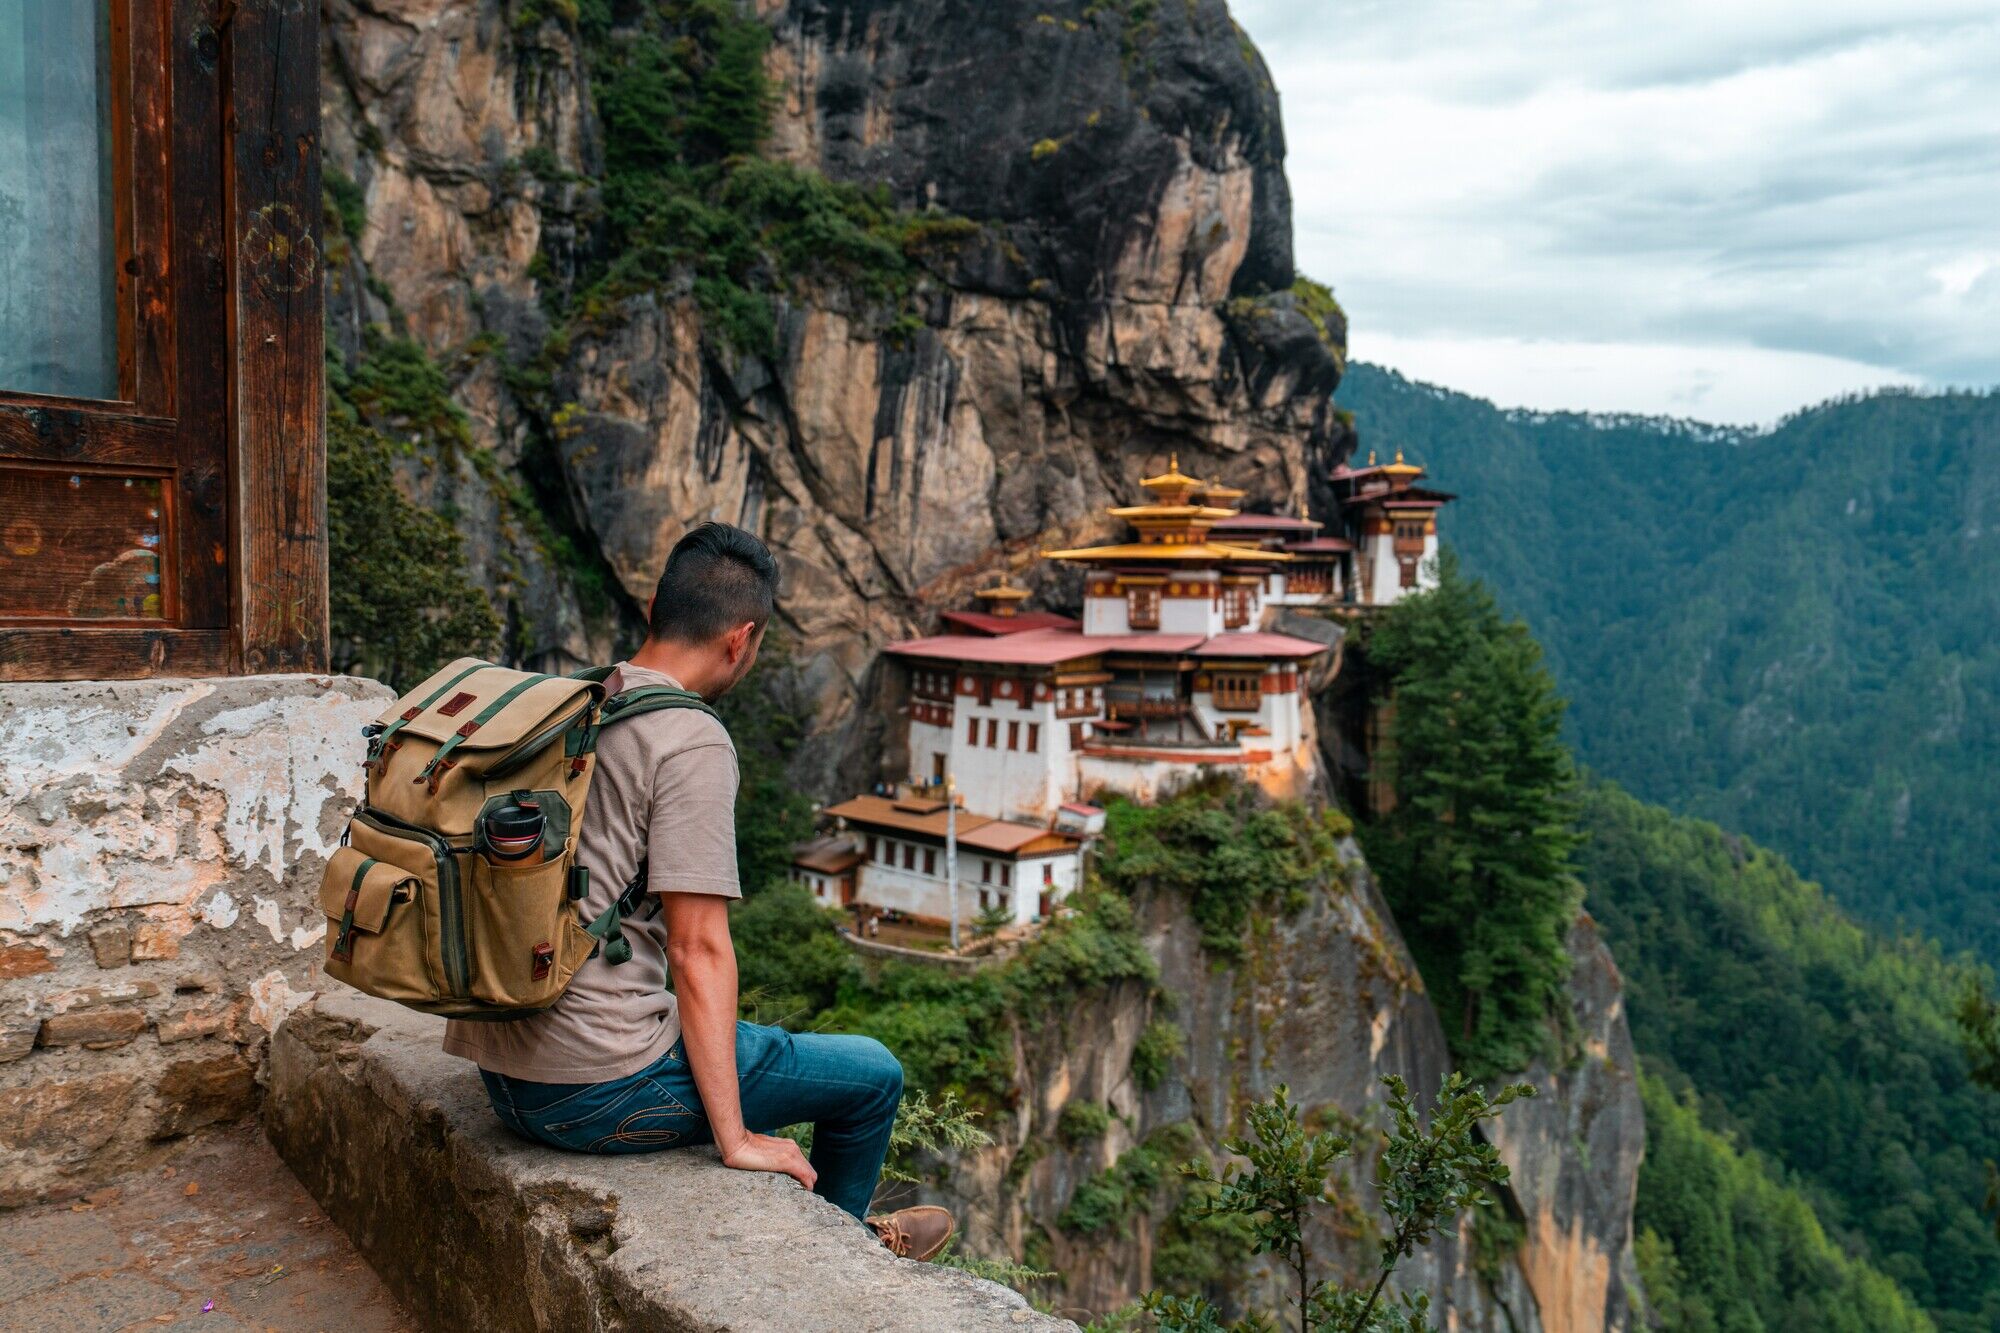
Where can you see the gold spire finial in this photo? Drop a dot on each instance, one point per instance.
(1371, 458)
(1174, 461)
(1399, 453)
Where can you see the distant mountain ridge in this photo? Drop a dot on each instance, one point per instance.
(1787, 631)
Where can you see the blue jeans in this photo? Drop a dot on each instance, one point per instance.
(846, 1088)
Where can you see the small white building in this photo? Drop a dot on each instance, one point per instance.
(1392, 524)
(891, 854)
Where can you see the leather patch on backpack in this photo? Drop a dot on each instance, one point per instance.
(457, 703)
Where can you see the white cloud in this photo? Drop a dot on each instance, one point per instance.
(1702, 181)
(1735, 385)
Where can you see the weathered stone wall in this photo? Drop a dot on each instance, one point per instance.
(160, 852)
(473, 1228)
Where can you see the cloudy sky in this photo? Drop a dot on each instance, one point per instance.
(1723, 210)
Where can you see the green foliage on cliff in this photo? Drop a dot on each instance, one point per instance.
(1724, 1243)
(681, 91)
(1227, 850)
(953, 1031)
(1790, 633)
(1434, 1167)
(766, 717)
(1475, 856)
(1828, 1050)
(1081, 1122)
(400, 600)
(1153, 1055)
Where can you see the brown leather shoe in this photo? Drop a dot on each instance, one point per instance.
(914, 1233)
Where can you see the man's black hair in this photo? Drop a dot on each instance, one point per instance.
(717, 578)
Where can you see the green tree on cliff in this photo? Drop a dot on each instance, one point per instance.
(1475, 854)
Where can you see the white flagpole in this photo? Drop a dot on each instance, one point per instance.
(951, 853)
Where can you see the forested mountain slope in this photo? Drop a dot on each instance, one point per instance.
(1825, 1051)
(1789, 632)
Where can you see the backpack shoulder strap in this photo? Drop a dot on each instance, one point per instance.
(651, 699)
(608, 925)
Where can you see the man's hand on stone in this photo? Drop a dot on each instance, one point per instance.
(767, 1152)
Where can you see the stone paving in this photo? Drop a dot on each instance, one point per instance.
(221, 1223)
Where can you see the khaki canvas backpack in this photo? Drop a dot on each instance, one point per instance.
(435, 899)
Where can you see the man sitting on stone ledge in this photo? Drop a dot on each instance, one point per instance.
(620, 1064)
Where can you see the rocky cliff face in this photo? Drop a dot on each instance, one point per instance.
(1328, 1002)
(1125, 293)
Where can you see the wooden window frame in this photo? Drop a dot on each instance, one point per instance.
(1142, 607)
(215, 135)
(930, 861)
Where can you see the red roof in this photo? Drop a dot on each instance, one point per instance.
(1050, 647)
(985, 622)
(1319, 544)
(1264, 523)
(1257, 643)
(1032, 647)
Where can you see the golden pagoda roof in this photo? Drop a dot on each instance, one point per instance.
(1003, 591)
(1158, 512)
(1399, 468)
(1179, 553)
(1172, 481)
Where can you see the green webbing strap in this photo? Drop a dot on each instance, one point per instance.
(343, 946)
(608, 927)
(486, 714)
(412, 714)
(636, 703)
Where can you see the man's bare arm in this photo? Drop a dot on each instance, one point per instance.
(704, 973)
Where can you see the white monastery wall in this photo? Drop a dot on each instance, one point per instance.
(1017, 783)
(1105, 615)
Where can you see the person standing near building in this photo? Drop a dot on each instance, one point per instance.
(621, 1064)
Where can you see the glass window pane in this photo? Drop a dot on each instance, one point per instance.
(58, 285)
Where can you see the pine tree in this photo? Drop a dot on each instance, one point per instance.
(1474, 856)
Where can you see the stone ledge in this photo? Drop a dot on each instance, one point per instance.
(474, 1228)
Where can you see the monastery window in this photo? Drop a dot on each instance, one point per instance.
(1235, 607)
(1006, 874)
(983, 896)
(930, 860)
(874, 852)
(1048, 873)
(992, 734)
(972, 731)
(1238, 693)
(1142, 607)
(985, 871)
(909, 856)
(1409, 573)
(1013, 735)
(1078, 732)
(1034, 737)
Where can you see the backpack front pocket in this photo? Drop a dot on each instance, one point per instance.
(375, 938)
(435, 931)
(525, 939)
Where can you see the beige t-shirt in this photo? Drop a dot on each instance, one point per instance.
(665, 789)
